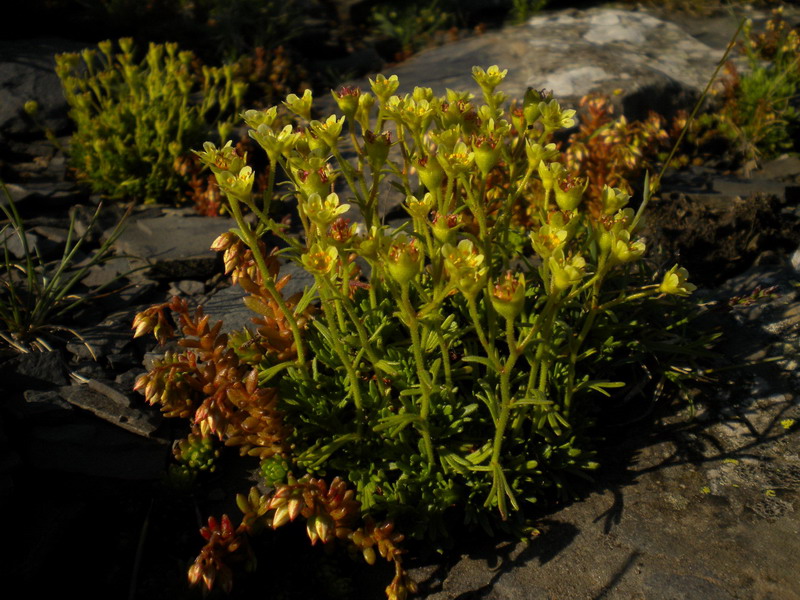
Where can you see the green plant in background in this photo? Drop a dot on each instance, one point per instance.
(522, 10)
(36, 294)
(451, 364)
(759, 112)
(135, 119)
(238, 27)
(412, 25)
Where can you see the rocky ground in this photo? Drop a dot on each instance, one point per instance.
(693, 501)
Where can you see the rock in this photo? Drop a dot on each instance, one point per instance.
(27, 72)
(175, 245)
(187, 287)
(656, 63)
(109, 404)
(111, 336)
(718, 235)
(34, 370)
(12, 240)
(106, 272)
(783, 168)
(227, 304)
(740, 188)
(39, 197)
(36, 404)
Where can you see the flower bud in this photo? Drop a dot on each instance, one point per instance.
(445, 227)
(550, 174)
(377, 147)
(365, 104)
(430, 172)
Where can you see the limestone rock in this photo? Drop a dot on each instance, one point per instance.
(175, 245)
(656, 64)
(27, 72)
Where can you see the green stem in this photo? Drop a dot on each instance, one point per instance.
(422, 374)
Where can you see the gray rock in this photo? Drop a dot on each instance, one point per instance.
(656, 64)
(783, 168)
(730, 186)
(34, 370)
(228, 305)
(187, 287)
(42, 195)
(111, 336)
(111, 405)
(35, 404)
(175, 245)
(12, 240)
(27, 72)
(106, 272)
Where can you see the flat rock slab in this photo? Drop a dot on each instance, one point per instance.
(228, 305)
(176, 244)
(655, 62)
(110, 405)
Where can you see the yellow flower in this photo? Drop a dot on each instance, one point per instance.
(329, 131)
(255, 118)
(383, 88)
(319, 260)
(300, 106)
(404, 260)
(508, 295)
(464, 265)
(676, 282)
(564, 274)
(324, 212)
(623, 249)
(419, 209)
(239, 185)
(274, 145)
(488, 80)
(553, 117)
(613, 199)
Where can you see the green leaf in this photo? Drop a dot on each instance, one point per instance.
(479, 359)
(266, 375)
